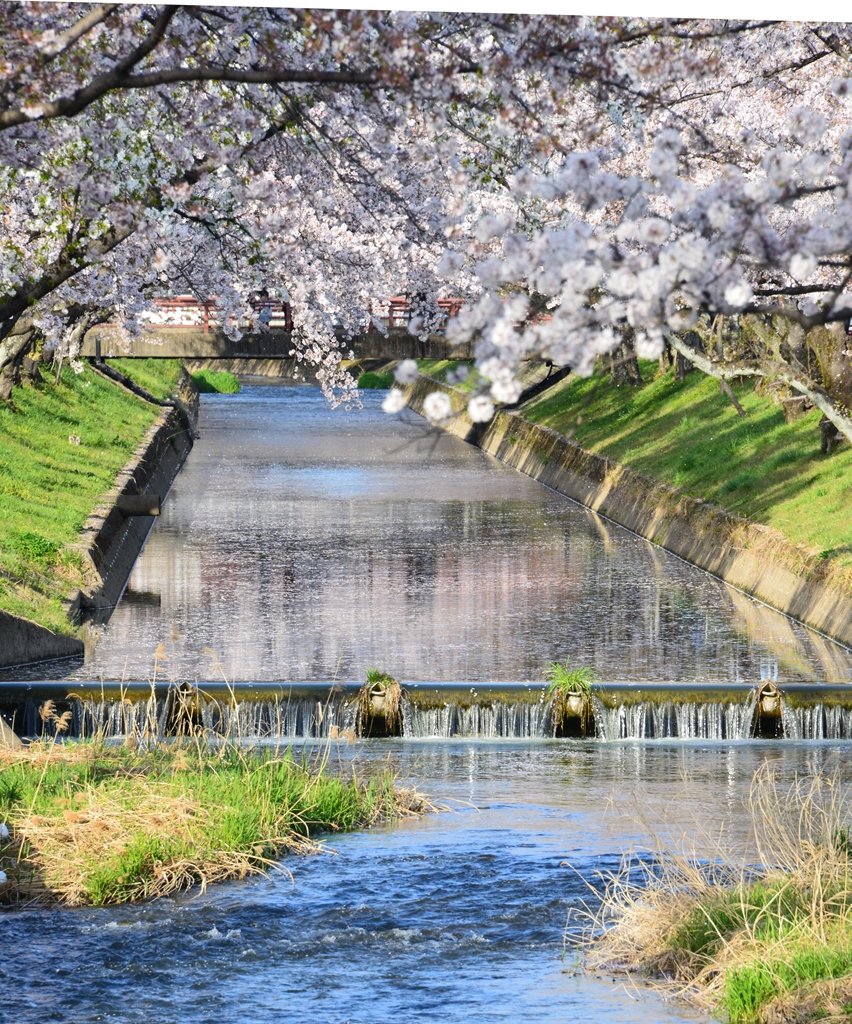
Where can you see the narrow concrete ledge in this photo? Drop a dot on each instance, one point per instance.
(756, 559)
(25, 641)
(273, 366)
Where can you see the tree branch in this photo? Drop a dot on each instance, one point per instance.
(84, 25)
(778, 371)
(82, 98)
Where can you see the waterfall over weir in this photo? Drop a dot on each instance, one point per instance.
(519, 711)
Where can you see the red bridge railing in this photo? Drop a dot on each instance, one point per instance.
(187, 311)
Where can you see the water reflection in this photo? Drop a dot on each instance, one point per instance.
(302, 543)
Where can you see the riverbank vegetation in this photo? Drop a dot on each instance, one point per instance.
(762, 936)
(220, 382)
(689, 435)
(91, 824)
(61, 446)
(370, 380)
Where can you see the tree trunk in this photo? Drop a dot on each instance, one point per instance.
(623, 365)
(683, 366)
(14, 346)
(829, 345)
(833, 411)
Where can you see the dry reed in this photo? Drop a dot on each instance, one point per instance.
(760, 933)
(389, 691)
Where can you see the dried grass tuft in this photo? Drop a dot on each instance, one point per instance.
(749, 931)
(380, 684)
(95, 824)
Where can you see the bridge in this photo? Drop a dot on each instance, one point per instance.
(184, 328)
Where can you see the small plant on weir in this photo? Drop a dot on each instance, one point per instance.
(381, 688)
(563, 679)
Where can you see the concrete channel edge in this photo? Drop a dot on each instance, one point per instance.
(110, 542)
(755, 559)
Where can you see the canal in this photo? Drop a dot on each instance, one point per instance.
(305, 543)
(302, 543)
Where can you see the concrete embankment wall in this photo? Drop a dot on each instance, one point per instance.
(756, 559)
(110, 542)
(23, 641)
(271, 367)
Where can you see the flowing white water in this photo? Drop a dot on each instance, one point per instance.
(303, 718)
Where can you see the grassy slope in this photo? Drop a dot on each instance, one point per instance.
(689, 435)
(48, 485)
(92, 824)
(220, 382)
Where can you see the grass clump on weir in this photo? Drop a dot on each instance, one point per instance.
(91, 824)
(219, 382)
(770, 943)
(562, 679)
(61, 446)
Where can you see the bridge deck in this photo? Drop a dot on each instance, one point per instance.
(187, 329)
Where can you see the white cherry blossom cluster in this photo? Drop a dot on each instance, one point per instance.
(572, 178)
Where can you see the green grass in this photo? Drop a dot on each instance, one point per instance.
(159, 376)
(689, 435)
(778, 918)
(563, 679)
(98, 825)
(216, 382)
(439, 368)
(762, 930)
(748, 990)
(49, 485)
(371, 380)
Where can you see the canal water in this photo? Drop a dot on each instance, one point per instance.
(305, 543)
(453, 918)
(301, 543)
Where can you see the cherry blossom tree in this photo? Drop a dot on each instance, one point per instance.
(216, 150)
(711, 216)
(591, 185)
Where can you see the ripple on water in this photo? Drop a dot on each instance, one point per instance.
(450, 918)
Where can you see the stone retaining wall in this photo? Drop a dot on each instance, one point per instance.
(756, 559)
(189, 343)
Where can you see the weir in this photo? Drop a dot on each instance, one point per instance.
(301, 545)
(327, 711)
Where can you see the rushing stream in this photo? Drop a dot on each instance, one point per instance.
(453, 918)
(303, 544)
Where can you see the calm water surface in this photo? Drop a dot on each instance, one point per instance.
(303, 543)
